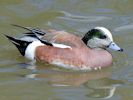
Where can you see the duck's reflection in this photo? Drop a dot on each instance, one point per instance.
(59, 77)
(69, 78)
(98, 82)
(102, 88)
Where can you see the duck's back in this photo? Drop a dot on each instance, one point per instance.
(63, 37)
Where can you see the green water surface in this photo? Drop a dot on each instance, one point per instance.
(21, 81)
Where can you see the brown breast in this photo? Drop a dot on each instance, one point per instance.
(67, 56)
(75, 56)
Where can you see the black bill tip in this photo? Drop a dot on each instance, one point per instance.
(121, 50)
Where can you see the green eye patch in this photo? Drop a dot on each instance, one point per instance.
(93, 33)
(96, 33)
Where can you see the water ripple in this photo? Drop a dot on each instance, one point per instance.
(124, 28)
(69, 16)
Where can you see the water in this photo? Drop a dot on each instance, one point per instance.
(20, 80)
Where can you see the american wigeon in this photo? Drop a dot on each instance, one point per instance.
(67, 50)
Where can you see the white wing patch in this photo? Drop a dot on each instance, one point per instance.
(61, 45)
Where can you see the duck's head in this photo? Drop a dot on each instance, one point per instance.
(100, 37)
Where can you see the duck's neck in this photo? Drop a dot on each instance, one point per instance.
(86, 37)
(98, 49)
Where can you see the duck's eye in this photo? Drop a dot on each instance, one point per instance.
(103, 37)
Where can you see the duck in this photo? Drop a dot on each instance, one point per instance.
(67, 50)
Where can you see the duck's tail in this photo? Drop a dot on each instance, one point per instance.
(33, 31)
(20, 44)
